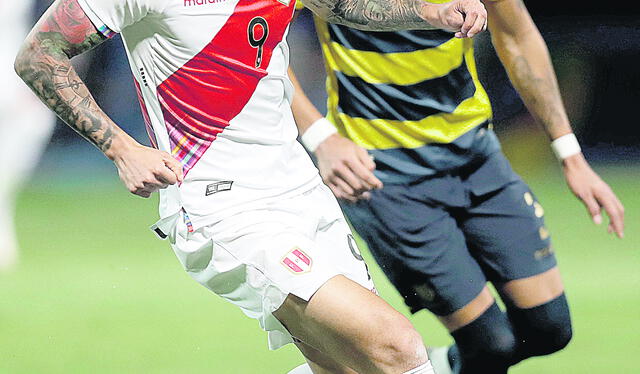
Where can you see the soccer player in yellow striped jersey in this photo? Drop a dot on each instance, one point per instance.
(422, 179)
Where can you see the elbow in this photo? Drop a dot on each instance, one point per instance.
(506, 45)
(22, 62)
(516, 38)
(26, 59)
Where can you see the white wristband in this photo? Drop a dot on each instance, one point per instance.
(565, 146)
(317, 133)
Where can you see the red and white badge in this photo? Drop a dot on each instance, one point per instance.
(297, 261)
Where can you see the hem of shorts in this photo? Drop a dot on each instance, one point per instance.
(549, 264)
(413, 309)
(305, 293)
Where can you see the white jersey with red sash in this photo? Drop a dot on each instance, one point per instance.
(214, 91)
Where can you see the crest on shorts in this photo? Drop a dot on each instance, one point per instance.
(297, 261)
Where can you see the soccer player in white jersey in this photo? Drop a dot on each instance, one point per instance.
(241, 202)
(21, 118)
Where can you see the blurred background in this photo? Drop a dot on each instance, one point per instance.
(95, 291)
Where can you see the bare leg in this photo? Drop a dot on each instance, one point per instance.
(469, 312)
(321, 363)
(355, 328)
(533, 291)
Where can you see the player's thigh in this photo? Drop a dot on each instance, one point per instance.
(508, 237)
(533, 291)
(257, 258)
(421, 249)
(354, 327)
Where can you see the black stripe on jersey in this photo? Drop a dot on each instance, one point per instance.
(387, 42)
(404, 103)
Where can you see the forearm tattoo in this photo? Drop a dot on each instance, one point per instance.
(44, 64)
(541, 94)
(532, 74)
(375, 15)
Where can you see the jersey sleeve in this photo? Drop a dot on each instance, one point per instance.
(112, 16)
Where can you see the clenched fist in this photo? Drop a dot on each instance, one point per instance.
(144, 170)
(466, 18)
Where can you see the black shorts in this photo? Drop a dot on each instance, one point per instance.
(440, 240)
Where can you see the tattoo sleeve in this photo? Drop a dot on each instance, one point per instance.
(44, 64)
(374, 15)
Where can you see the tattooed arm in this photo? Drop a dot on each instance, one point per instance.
(465, 17)
(43, 62)
(526, 59)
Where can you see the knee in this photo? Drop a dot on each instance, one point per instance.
(400, 349)
(550, 336)
(488, 343)
(562, 336)
(499, 346)
(544, 329)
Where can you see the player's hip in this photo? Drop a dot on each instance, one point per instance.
(258, 257)
(447, 228)
(289, 236)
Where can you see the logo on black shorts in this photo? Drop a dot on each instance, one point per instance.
(426, 293)
(218, 187)
(542, 253)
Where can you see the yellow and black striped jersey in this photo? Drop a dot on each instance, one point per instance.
(412, 98)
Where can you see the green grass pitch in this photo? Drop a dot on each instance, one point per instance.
(96, 292)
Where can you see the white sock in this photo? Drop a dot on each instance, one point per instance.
(302, 369)
(426, 368)
(439, 357)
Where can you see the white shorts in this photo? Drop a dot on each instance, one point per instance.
(256, 258)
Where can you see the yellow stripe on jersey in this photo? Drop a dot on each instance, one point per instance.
(403, 68)
(387, 134)
(392, 76)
